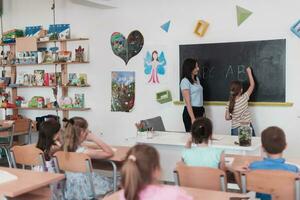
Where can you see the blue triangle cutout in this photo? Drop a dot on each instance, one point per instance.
(166, 26)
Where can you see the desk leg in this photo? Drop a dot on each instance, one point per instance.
(114, 175)
(9, 160)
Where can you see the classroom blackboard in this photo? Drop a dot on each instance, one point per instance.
(221, 63)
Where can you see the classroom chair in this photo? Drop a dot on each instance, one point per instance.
(282, 185)
(200, 177)
(27, 155)
(23, 127)
(6, 142)
(156, 123)
(75, 162)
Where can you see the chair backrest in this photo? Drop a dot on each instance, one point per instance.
(201, 177)
(23, 126)
(73, 162)
(27, 155)
(156, 123)
(282, 185)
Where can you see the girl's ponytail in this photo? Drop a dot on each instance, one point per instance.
(137, 171)
(132, 180)
(235, 89)
(72, 133)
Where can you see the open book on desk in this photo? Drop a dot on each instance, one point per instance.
(6, 177)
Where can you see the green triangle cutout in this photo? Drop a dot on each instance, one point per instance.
(242, 14)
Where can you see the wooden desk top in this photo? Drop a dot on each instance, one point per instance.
(120, 152)
(27, 181)
(197, 194)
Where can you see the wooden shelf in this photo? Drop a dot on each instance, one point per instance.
(50, 41)
(66, 40)
(54, 63)
(35, 86)
(61, 109)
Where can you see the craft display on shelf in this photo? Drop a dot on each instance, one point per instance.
(166, 26)
(201, 28)
(11, 35)
(39, 77)
(59, 31)
(164, 96)
(123, 91)
(79, 101)
(127, 48)
(77, 79)
(79, 54)
(154, 64)
(296, 28)
(242, 14)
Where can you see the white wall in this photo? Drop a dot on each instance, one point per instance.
(270, 20)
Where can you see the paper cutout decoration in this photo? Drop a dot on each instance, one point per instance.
(164, 96)
(166, 26)
(154, 65)
(242, 14)
(296, 28)
(127, 48)
(201, 28)
(122, 91)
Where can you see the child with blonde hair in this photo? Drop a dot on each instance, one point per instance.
(77, 185)
(140, 177)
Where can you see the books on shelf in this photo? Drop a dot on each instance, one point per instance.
(39, 77)
(79, 101)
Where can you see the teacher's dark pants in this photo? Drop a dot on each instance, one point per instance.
(198, 112)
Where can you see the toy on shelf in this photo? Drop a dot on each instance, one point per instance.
(11, 35)
(79, 54)
(19, 101)
(36, 102)
(65, 102)
(64, 56)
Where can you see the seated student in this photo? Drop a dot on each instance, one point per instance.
(49, 143)
(77, 187)
(140, 177)
(201, 154)
(273, 143)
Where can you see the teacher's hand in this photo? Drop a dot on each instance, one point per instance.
(192, 120)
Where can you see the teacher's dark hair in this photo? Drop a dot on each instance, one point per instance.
(188, 66)
(201, 130)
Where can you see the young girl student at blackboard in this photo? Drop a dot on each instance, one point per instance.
(237, 108)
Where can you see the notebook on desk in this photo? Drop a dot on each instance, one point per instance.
(6, 177)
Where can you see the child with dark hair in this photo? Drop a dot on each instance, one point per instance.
(48, 141)
(202, 155)
(273, 143)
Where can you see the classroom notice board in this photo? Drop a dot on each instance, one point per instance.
(221, 63)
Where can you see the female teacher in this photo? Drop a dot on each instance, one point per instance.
(192, 93)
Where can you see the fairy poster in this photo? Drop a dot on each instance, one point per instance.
(122, 91)
(155, 66)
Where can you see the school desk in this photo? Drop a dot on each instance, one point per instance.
(26, 181)
(115, 162)
(171, 144)
(198, 194)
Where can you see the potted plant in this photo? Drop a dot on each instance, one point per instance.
(245, 134)
(19, 100)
